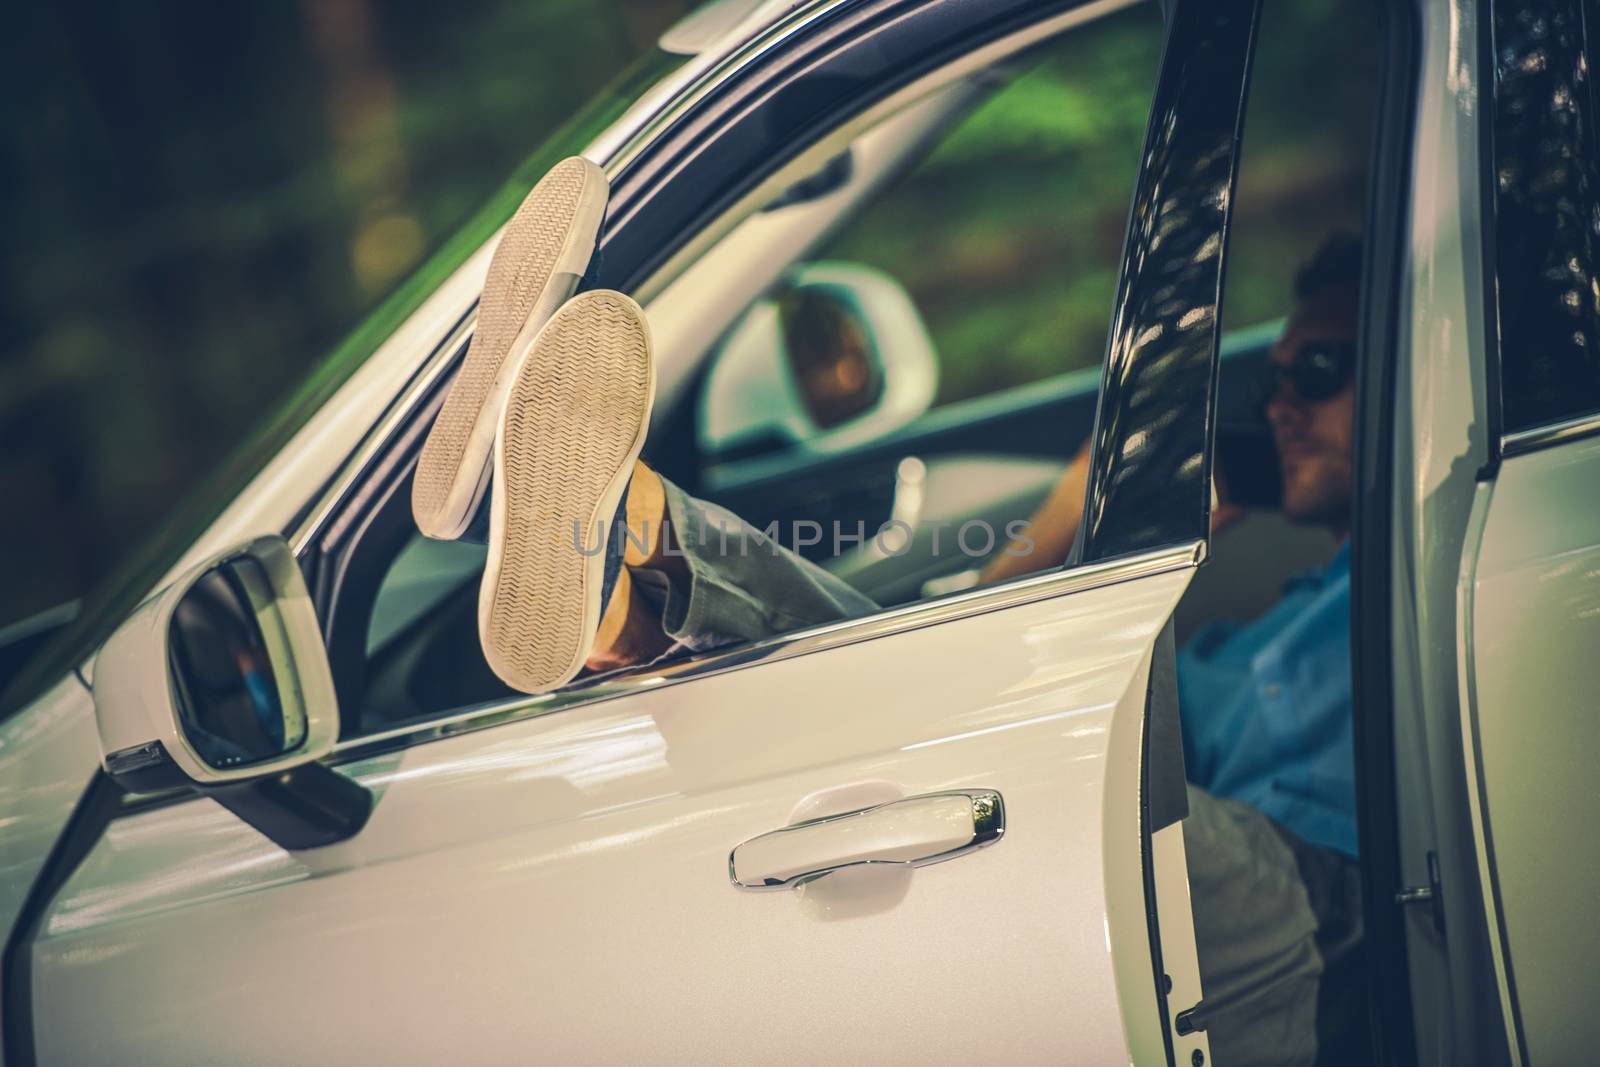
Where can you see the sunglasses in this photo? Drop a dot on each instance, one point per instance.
(1316, 371)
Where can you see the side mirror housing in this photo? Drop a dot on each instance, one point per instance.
(220, 681)
(837, 357)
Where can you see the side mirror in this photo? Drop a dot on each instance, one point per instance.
(220, 681)
(837, 358)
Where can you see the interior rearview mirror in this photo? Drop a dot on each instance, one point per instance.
(221, 681)
(835, 357)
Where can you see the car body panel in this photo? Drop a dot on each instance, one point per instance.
(1532, 601)
(1527, 588)
(516, 884)
(47, 755)
(1440, 445)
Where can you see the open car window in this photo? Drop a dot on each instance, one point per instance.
(936, 354)
(969, 234)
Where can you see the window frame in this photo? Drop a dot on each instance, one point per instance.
(1161, 446)
(1510, 302)
(658, 205)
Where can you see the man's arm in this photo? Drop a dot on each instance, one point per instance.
(1052, 529)
(1054, 526)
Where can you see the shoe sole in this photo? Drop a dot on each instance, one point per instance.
(541, 257)
(574, 422)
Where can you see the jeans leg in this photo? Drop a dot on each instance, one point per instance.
(1256, 934)
(741, 584)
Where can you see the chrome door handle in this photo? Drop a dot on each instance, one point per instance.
(913, 832)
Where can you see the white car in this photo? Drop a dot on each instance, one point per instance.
(416, 865)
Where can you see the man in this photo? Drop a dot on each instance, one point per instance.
(1265, 707)
(1266, 712)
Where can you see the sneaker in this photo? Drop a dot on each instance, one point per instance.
(543, 253)
(575, 419)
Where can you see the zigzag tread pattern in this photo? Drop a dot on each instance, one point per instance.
(571, 420)
(518, 273)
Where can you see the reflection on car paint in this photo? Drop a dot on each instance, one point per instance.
(1148, 484)
(1547, 208)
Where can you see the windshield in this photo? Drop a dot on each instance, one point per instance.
(377, 283)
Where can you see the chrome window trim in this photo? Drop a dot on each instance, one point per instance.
(1535, 438)
(620, 145)
(897, 620)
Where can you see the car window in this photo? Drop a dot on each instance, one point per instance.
(1008, 235)
(1003, 236)
(1547, 207)
(973, 292)
(1000, 246)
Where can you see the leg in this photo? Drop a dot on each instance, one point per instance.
(1256, 934)
(699, 576)
(557, 594)
(630, 630)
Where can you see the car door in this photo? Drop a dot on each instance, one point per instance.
(1495, 547)
(1530, 579)
(556, 877)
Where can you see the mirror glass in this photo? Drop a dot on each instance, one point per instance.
(830, 352)
(834, 357)
(225, 637)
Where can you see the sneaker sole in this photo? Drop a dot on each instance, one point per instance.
(541, 257)
(574, 422)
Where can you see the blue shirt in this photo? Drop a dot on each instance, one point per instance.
(1266, 709)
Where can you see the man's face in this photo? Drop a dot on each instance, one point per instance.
(1315, 437)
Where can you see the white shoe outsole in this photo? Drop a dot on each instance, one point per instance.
(541, 257)
(575, 419)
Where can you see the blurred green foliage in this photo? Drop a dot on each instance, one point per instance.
(1009, 235)
(203, 199)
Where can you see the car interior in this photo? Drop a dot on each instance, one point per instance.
(805, 375)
